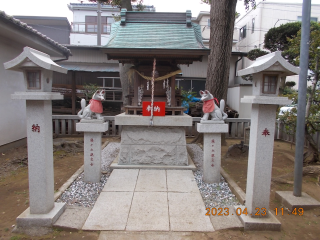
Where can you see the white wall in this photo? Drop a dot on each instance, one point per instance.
(245, 108)
(233, 101)
(13, 112)
(205, 29)
(88, 38)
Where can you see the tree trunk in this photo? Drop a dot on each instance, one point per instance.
(123, 71)
(313, 89)
(126, 4)
(222, 17)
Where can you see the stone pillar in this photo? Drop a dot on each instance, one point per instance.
(212, 149)
(260, 159)
(40, 157)
(93, 130)
(43, 211)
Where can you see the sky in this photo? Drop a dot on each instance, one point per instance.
(58, 8)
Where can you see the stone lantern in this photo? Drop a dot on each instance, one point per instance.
(267, 72)
(38, 68)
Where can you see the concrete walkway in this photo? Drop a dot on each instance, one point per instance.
(149, 200)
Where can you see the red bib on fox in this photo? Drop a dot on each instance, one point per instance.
(208, 106)
(96, 106)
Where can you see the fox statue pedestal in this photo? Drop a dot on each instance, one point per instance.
(93, 129)
(212, 149)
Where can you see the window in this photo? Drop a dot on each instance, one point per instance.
(243, 33)
(313, 19)
(92, 24)
(33, 79)
(269, 84)
(209, 22)
(252, 30)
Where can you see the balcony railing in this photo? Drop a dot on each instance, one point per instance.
(82, 27)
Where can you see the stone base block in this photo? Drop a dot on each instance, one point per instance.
(270, 223)
(26, 219)
(212, 127)
(92, 126)
(190, 166)
(142, 145)
(290, 201)
(153, 154)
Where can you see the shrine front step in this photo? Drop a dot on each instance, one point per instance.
(190, 166)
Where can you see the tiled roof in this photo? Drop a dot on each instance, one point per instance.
(23, 25)
(155, 36)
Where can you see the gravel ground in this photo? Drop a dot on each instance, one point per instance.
(213, 195)
(85, 194)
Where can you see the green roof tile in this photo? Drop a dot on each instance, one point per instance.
(149, 35)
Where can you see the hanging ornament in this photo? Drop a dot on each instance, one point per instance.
(147, 85)
(167, 82)
(164, 84)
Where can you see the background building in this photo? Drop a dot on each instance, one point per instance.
(84, 25)
(56, 28)
(14, 36)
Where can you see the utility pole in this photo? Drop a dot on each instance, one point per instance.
(99, 24)
(300, 131)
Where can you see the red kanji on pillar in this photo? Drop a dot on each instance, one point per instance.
(35, 128)
(265, 132)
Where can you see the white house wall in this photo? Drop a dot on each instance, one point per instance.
(245, 108)
(233, 98)
(233, 101)
(88, 56)
(88, 38)
(196, 69)
(13, 119)
(205, 29)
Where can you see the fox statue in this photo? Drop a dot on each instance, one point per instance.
(210, 107)
(95, 106)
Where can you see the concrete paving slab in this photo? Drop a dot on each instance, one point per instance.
(181, 181)
(270, 223)
(231, 221)
(122, 180)
(73, 218)
(187, 213)
(289, 201)
(151, 181)
(154, 235)
(149, 212)
(110, 211)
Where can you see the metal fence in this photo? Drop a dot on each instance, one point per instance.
(65, 125)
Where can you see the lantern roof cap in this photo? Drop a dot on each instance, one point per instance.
(272, 62)
(35, 58)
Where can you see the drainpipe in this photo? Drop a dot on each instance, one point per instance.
(236, 65)
(99, 24)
